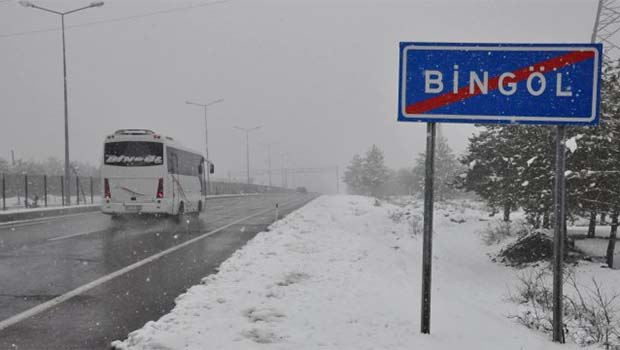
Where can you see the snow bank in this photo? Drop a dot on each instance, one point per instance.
(341, 273)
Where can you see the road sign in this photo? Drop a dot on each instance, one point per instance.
(555, 84)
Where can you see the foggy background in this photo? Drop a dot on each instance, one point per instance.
(320, 77)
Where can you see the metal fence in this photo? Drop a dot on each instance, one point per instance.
(32, 191)
(36, 191)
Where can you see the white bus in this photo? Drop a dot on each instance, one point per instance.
(147, 173)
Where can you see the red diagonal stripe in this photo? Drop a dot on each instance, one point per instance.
(520, 75)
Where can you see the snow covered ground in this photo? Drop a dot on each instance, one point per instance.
(17, 204)
(342, 273)
(597, 247)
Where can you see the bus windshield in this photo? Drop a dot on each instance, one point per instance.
(134, 153)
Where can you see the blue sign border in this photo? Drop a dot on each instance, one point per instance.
(500, 119)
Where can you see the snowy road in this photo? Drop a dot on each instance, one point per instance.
(85, 280)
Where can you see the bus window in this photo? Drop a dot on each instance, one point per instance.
(133, 153)
(186, 163)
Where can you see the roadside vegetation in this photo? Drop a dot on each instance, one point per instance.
(591, 309)
(369, 176)
(512, 167)
(591, 306)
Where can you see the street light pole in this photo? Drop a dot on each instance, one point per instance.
(64, 77)
(284, 174)
(64, 73)
(205, 107)
(269, 161)
(268, 145)
(247, 147)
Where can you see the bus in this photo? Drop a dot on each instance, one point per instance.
(144, 172)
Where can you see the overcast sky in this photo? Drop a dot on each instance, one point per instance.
(320, 76)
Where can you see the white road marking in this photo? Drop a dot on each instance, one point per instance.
(72, 235)
(30, 222)
(86, 287)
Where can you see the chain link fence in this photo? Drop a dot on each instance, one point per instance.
(38, 191)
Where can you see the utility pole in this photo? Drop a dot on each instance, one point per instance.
(292, 164)
(208, 160)
(247, 154)
(247, 147)
(284, 174)
(269, 162)
(269, 171)
(64, 73)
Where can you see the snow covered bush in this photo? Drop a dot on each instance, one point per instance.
(591, 313)
(534, 293)
(497, 231)
(530, 248)
(413, 218)
(594, 314)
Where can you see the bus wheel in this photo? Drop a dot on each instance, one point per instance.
(180, 214)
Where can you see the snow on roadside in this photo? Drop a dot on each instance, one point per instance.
(341, 273)
(15, 204)
(585, 319)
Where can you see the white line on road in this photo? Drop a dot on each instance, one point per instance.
(79, 290)
(30, 222)
(72, 235)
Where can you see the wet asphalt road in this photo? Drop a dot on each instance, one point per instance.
(44, 260)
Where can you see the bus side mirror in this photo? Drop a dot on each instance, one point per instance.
(211, 168)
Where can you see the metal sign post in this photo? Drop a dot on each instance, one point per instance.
(544, 84)
(427, 243)
(558, 235)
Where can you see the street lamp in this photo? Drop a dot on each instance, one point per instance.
(247, 146)
(204, 106)
(64, 73)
